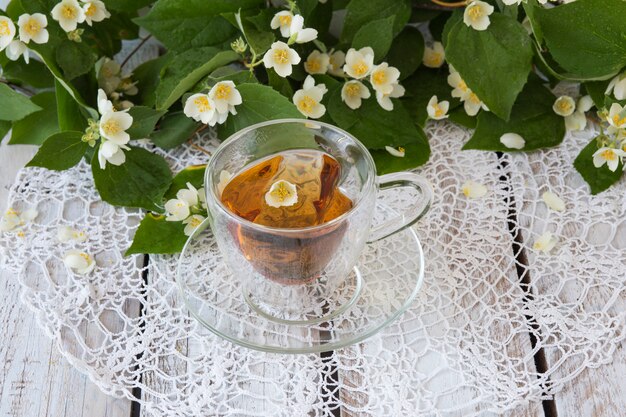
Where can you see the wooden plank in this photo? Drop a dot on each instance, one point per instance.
(35, 379)
(599, 391)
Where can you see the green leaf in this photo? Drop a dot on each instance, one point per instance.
(60, 151)
(48, 56)
(141, 181)
(417, 152)
(421, 86)
(74, 58)
(494, 62)
(599, 179)
(5, 126)
(156, 235)
(35, 128)
(193, 174)
(228, 73)
(144, 120)
(147, 76)
(185, 70)
(317, 15)
(456, 17)
(15, 106)
(586, 38)
(532, 118)
(34, 74)
(371, 124)
(68, 111)
(174, 129)
(596, 90)
(377, 34)
(127, 6)
(259, 41)
(186, 24)
(280, 84)
(255, 108)
(406, 51)
(361, 12)
(458, 116)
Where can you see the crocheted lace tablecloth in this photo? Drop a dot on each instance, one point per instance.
(489, 302)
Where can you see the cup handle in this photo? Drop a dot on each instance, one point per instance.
(413, 213)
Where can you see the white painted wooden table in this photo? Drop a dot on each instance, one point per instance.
(36, 381)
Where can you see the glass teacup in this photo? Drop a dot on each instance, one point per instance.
(293, 274)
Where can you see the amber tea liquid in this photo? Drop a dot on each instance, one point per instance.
(289, 259)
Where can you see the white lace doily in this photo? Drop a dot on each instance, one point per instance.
(463, 347)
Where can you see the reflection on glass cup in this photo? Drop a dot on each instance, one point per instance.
(291, 273)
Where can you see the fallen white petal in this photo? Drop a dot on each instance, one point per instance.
(472, 189)
(553, 201)
(512, 141)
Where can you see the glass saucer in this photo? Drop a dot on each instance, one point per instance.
(381, 286)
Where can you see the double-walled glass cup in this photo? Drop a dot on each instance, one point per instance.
(294, 274)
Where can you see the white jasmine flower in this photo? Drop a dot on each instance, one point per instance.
(576, 121)
(225, 96)
(564, 106)
(618, 86)
(201, 108)
(281, 57)
(104, 104)
(317, 63)
(95, 11)
(188, 195)
(113, 126)
(512, 141)
(225, 178)
(434, 56)
(69, 14)
(192, 223)
(66, 233)
(617, 116)
(7, 32)
(585, 103)
(472, 104)
(308, 99)
(336, 60)
(177, 210)
(109, 77)
(16, 49)
(298, 33)
(383, 78)
(281, 193)
(608, 156)
(545, 243)
(353, 92)
(553, 201)
(111, 152)
(399, 152)
(437, 110)
(384, 100)
(359, 63)
(79, 262)
(477, 14)
(460, 89)
(33, 27)
(282, 20)
(202, 197)
(473, 189)
(9, 221)
(511, 2)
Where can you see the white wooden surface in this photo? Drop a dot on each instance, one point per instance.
(36, 381)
